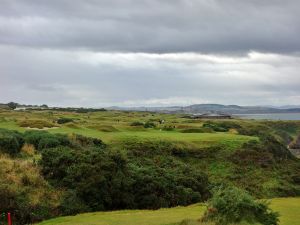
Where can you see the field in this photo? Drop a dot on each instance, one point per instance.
(114, 125)
(289, 209)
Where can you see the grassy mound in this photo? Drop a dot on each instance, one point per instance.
(39, 124)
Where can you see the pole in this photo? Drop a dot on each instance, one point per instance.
(9, 219)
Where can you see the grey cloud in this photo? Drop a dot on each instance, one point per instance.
(84, 78)
(153, 26)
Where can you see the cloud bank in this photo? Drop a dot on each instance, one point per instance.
(150, 52)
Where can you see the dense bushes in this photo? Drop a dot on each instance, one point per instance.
(43, 139)
(216, 127)
(100, 179)
(148, 124)
(264, 168)
(11, 142)
(232, 205)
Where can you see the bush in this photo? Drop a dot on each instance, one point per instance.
(11, 142)
(104, 179)
(232, 205)
(83, 141)
(216, 127)
(198, 130)
(168, 128)
(64, 120)
(137, 123)
(43, 139)
(167, 186)
(96, 178)
(48, 143)
(149, 124)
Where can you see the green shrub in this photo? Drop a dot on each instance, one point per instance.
(137, 123)
(279, 150)
(64, 120)
(216, 127)
(198, 130)
(48, 143)
(71, 204)
(149, 124)
(83, 141)
(232, 205)
(104, 179)
(11, 142)
(44, 139)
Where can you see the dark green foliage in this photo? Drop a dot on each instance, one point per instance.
(216, 127)
(270, 144)
(168, 184)
(198, 130)
(64, 120)
(82, 141)
(12, 105)
(284, 137)
(48, 142)
(168, 128)
(71, 204)
(96, 176)
(11, 142)
(259, 162)
(43, 139)
(290, 127)
(274, 146)
(149, 124)
(103, 179)
(82, 110)
(232, 205)
(253, 129)
(137, 123)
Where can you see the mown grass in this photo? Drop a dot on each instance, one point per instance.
(289, 209)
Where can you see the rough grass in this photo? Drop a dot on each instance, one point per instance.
(39, 124)
(289, 209)
(24, 176)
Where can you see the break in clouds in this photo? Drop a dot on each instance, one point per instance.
(133, 53)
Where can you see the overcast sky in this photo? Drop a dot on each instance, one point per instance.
(150, 52)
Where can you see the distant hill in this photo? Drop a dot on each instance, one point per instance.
(215, 108)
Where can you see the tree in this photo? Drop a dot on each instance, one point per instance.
(12, 105)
